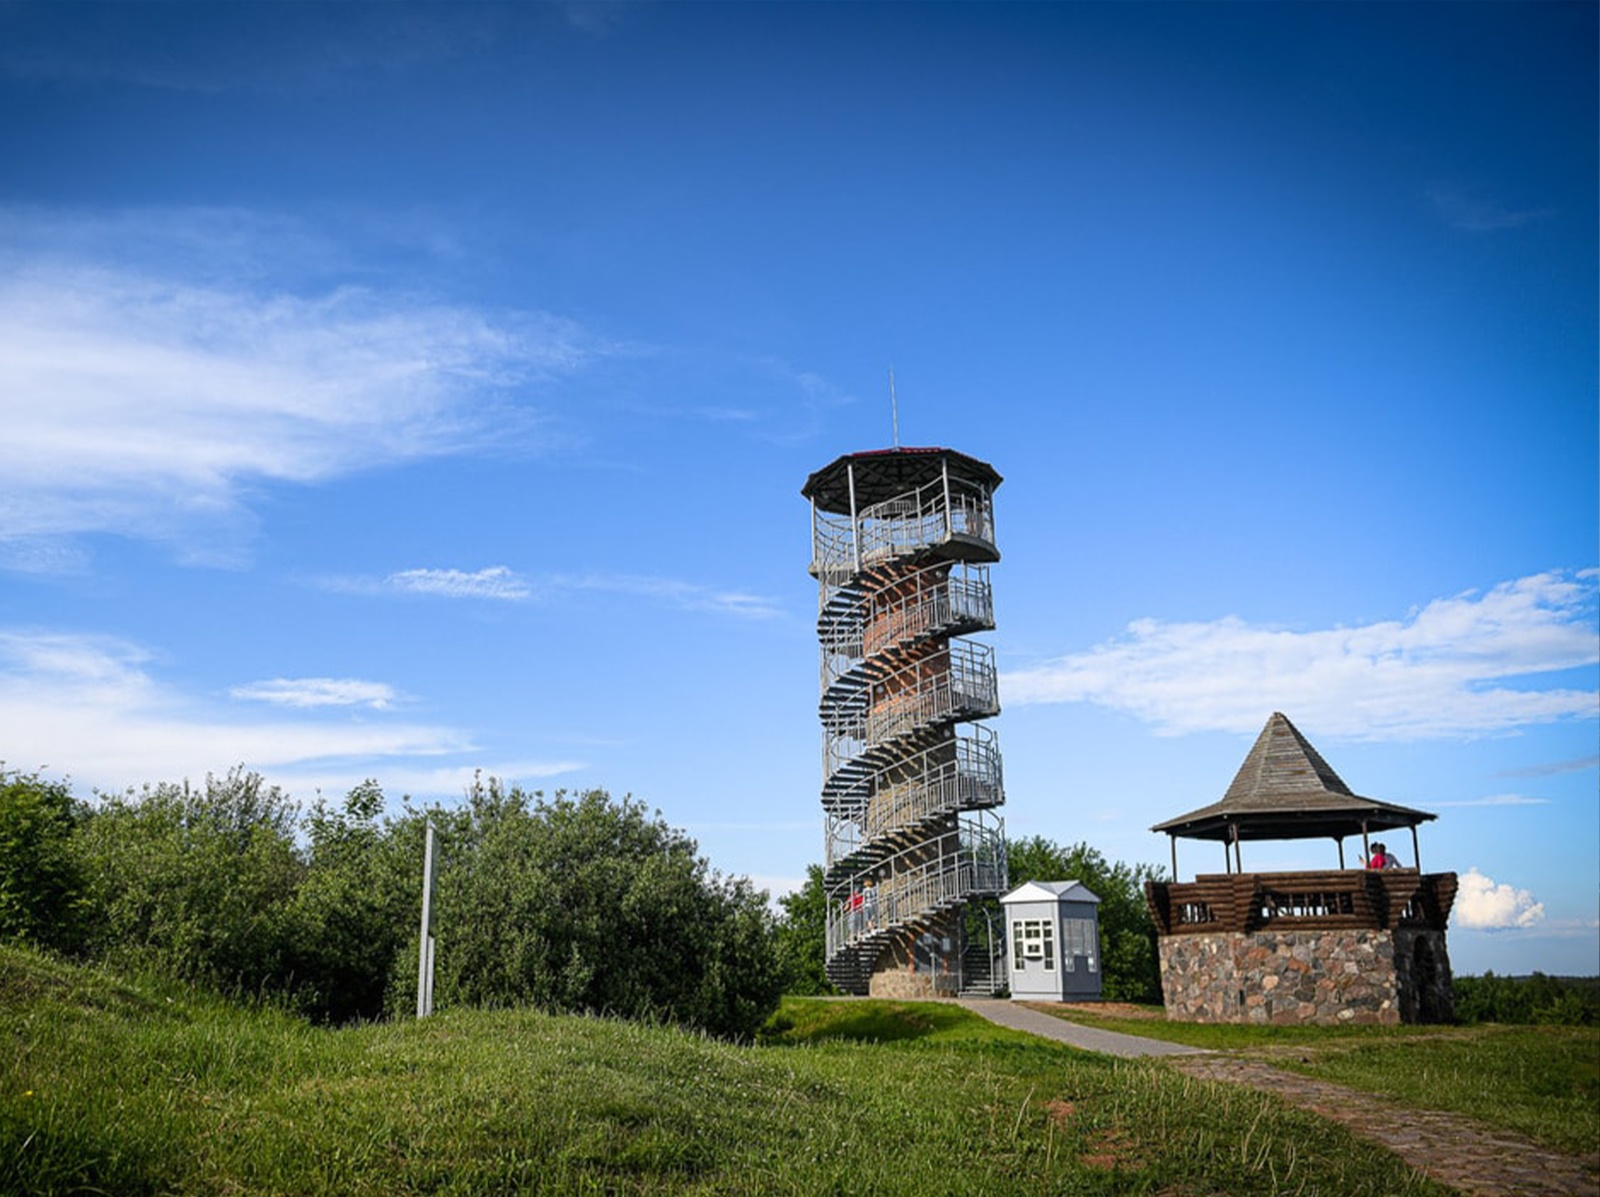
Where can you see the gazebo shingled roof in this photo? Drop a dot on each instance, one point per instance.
(1286, 791)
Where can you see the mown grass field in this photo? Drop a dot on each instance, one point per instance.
(117, 1086)
(1541, 1082)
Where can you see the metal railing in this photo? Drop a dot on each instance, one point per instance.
(911, 887)
(957, 682)
(938, 599)
(904, 524)
(932, 600)
(962, 773)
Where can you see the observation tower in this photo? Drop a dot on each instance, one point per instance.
(902, 540)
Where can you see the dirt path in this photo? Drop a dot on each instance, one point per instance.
(1447, 1148)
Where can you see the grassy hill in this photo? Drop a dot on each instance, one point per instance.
(110, 1084)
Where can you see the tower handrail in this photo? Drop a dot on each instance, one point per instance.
(924, 787)
(908, 893)
(918, 519)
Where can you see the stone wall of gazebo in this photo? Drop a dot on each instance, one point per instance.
(1325, 978)
(1346, 946)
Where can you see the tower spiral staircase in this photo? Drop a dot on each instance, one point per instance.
(901, 544)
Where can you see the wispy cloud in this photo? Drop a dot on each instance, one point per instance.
(1484, 905)
(94, 707)
(496, 582)
(148, 406)
(689, 596)
(500, 582)
(318, 692)
(1554, 768)
(42, 555)
(1440, 672)
(1474, 210)
(1498, 800)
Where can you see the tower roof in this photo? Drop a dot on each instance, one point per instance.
(884, 473)
(1286, 791)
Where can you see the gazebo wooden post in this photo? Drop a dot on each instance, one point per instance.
(1416, 849)
(1173, 840)
(1238, 861)
(1339, 839)
(1366, 848)
(1227, 861)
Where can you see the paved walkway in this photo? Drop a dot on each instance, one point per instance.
(1448, 1148)
(1112, 1043)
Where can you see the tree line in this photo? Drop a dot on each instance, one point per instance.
(576, 902)
(1536, 1000)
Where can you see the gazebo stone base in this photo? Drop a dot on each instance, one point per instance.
(1326, 977)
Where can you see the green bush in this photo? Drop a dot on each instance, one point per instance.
(576, 903)
(1537, 1000)
(801, 937)
(586, 904)
(354, 914)
(41, 885)
(195, 882)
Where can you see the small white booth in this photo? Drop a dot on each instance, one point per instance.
(1054, 942)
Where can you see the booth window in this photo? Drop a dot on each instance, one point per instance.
(1035, 940)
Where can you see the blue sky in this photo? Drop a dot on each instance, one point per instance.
(399, 391)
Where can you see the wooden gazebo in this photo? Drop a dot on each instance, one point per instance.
(1321, 946)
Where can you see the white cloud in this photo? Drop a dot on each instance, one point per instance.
(1498, 800)
(496, 582)
(690, 596)
(145, 406)
(42, 555)
(1436, 673)
(1482, 905)
(318, 692)
(91, 705)
(501, 582)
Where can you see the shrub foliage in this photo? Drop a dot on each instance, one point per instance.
(584, 903)
(41, 890)
(1535, 1000)
(802, 934)
(573, 903)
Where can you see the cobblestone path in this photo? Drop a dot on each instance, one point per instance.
(1447, 1148)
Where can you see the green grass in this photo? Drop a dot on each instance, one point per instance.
(110, 1085)
(1541, 1082)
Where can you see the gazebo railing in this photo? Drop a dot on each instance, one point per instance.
(1380, 899)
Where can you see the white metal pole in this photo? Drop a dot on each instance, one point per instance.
(425, 946)
(855, 526)
(949, 518)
